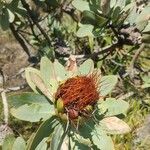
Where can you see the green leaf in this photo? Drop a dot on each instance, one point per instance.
(85, 30)
(50, 74)
(81, 5)
(4, 19)
(17, 100)
(87, 67)
(45, 130)
(92, 18)
(57, 138)
(60, 71)
(47, 70)
(33, 113)
(107, 83)
(114, 125)
(42, 145)
(8, 142)
(30, 107)
(101, 140)
(112, 107)
(28, 72)
(19, 144)
(142, 19)
(147, 28)
(11, 16)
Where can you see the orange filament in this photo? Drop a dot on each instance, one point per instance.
(78, 92)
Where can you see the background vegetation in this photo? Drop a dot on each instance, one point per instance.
(114, 33)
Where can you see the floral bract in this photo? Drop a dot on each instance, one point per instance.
(72, 104)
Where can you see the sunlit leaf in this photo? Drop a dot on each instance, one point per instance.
(81, 5)
(60, 71)
(114, 125)
(39, 83)
(19, 144)
(45, 130)
(142, 19)
(47, 70)
(85, 30)
(101, 139)
(87, 67)
(28, 72)
(42, 145)
(111, 107)
(147, 28)
(57, 138)
(8, 142)
(107, 84)
(11, 15)
(17, 100)
(33, 112)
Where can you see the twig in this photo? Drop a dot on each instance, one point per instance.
(101, 51)
(19, 39)
(5, 106)
(135, 57)
(31, 15)
(127, 95)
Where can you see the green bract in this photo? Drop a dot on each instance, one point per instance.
(57, 131)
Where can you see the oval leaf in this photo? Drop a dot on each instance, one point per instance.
(19, 144)
(101, 140)
(114, 125)
(87, 67)
(29, 98)
(81, 5)
(28, 72)
(111, 107)
(107, 83)
(60, 71)
(8, 142)
(85, 30)
(47, 70)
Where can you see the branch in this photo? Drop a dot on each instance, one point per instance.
(135, 57)
(19, 39)
(101, 51)
(5, 106)
(31, 15)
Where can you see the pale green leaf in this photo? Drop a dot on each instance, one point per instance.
(45, 130)
(114, 125)
(28, 72)
(87, 67)
(147, 28)
(57, 138)
(111, 107)
(19, 144)
(60, 71)
(107, 83)
(39, 83)
(101, 139)
(8, 142)
(11, 15)
(33, 112)
(47, 70)
(42, 145)
(85, 30)
(17, 100)
(81, 5)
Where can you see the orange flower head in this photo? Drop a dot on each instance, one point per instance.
(77, 93)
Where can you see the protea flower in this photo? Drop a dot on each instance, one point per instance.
(73, 106)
